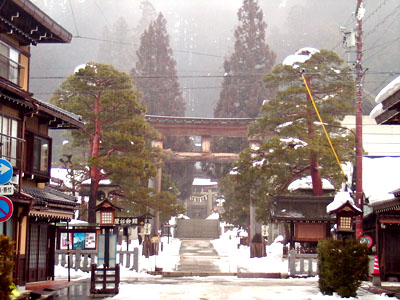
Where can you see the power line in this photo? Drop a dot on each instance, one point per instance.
(218, 76)
(136, 45)
(73, 17)
(382, 21)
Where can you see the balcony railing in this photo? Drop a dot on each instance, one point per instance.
(9, 69)
(11, 150)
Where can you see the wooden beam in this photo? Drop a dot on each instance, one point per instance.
(172, 156)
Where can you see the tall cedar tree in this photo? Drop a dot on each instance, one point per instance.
(116, 135)
(299, 146)
(156, 76)
(243, 90)
(155, 72)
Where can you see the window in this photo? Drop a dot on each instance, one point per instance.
(40, 154)
(9, 138)
(9, 63)
(345, 223)
(106, 217)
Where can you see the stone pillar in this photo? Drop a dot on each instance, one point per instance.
(206, 143)
(157, 187)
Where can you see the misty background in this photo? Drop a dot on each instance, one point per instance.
(201, 35)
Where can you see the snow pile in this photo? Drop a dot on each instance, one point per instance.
(235, 258)
(301, 56)
(213, 216)
(388, 90)
(341, 198)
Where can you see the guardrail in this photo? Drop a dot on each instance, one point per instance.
(302, 264)
(83, 259)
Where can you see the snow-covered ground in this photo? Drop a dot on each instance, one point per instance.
(233, 258)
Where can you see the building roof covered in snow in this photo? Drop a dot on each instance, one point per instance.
(387, 110)
(301, 208)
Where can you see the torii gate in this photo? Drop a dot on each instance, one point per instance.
(205, 128)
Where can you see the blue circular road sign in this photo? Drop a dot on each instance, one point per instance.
(6, 209)
(6, 171)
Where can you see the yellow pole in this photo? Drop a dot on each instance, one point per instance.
(323, 126)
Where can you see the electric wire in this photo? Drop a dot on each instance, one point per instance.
(73, 17)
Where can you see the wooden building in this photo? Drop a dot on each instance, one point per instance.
(383, 224)
(25, 142)
(304, 217)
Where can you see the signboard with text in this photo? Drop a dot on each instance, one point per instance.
(138, 221)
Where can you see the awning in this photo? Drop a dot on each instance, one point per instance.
(51, 215)
(389, 221)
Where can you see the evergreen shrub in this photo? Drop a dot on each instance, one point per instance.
(7, 256)
(343, 265)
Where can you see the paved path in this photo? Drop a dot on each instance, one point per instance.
(198, 256)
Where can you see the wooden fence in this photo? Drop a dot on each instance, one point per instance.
(83, 259)
(302, 264)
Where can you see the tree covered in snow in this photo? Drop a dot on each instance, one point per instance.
(298, 146)
(116, 138)
(245, 182)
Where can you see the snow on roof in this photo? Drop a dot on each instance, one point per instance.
(306, 183)
(301, 56)
(340, 199)
(203, 181)
(388, 90)
(376, 111)
(380, 177)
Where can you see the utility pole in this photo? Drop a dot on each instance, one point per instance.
(359, 99)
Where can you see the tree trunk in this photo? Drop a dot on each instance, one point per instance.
(314, 167)
(94, 172)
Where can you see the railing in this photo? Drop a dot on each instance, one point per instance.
(9, 69)
(302, 264)
(11, 149)
(83, 259)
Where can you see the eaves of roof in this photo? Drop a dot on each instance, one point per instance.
(64, 119)
(59, 33)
